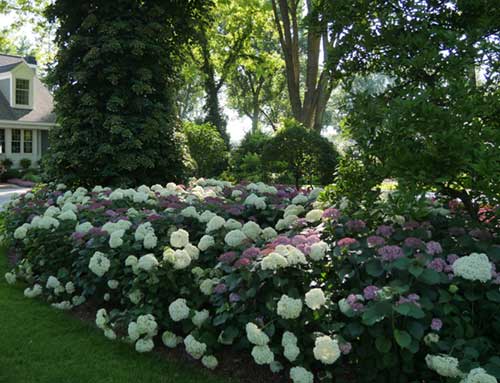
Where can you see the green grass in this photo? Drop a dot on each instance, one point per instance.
(41, 344)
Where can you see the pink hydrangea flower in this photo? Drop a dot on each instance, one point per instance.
(345, 242)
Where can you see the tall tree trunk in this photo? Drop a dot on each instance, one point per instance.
(212, 106)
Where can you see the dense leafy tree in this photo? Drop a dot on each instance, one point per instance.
(435, 122)
(207, 148)
(247, 163)
(302, 153)
(115, 83)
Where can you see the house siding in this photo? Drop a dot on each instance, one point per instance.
(5, 88)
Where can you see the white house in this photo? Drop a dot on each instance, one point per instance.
(26, 110)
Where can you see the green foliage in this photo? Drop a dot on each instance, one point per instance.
(246, 159)
(7, 163)
(302, 154)
(115, 86)
(25, 163)
(207, 148)
(431, 125)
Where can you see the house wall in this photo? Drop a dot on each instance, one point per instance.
(5, 88)
(17, 157)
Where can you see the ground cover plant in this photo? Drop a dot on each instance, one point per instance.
(318, 291)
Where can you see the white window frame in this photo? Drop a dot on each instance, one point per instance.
(28, 91)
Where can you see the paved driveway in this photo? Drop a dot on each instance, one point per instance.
(8, 190)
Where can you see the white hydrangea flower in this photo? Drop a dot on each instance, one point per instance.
(210, 362)
(206, 216)
(275, 367)
(444, 365)
(110, 334)
(135, 296)
(170, 340)
(289, 343)
(83, 227)
(285, 223)
(189, 212)
(314, 215)
(52, 283)
(431, 338)
(150, 241)
(207, 286)
(318, 250)
(179, 238)
(142, 230)
(140, 197)
(32, 292)
(64, 305)
(200, 317)
(192, 251)
(68, 206)
(299, 199)
(215, 224)
(133, 331)
(51, 211)
(116, 239)
(113, 284)
(301, 375)
(70, 287)
(293, 255)
(273, 261)
(315, 298)
(326, 350)
(205, 242)
(131, 261)
(147, 262)
(232, 224)
(116, 195)
(99, 264)
(293, 210)
(146, 324)
(235, 238)
(289, 308)
(10, 278)
(262, 355)
(144, 345)
(479, 375)
(178, 310)
(22, 231)
(68, 215)
(44, 223)
(107, 297)
(236, 193)
(255, 335)
(474, 267)
(269, 234)
(251, 230)
(78, 300)
(194, 348)
(101, 318)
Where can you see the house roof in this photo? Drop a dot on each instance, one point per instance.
(43, 103)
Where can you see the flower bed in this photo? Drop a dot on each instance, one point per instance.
(269, 271)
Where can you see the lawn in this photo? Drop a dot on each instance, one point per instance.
(40, 344)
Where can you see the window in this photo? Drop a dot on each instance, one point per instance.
(16, 141)
(28, 141)
(22, 92)
(2, 141)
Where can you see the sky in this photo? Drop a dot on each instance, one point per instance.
(236, 126)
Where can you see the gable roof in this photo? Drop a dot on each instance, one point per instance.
(43, 103)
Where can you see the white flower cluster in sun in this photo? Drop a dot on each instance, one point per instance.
(262, 188)
(99, 264)
(22, 231)
(299, 199)
(122, 224)
(215, 223)
(44, 223)
(293, 210)
(273, 261)
(53, 283)
(269, 234)
(146, 326)
(301, 375)
(179, 238)
(293, 255)
(444, 365)
(171, 340)
(235, 238)
(32, 292)
(146, 234)
(252, 230)
(207, 286)
(314, 215)
(83, 227)
(289, 308)
(479, 375)
(116, 238)
(178, 310)
(200, 317)
(474, 267)
(326, 349)
(318, 250)
(255, 335)
(315, 298)
(262, 355)
(194, 348)
(286, 222)
(289, 343)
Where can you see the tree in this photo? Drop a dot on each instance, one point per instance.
(434, 124)
(247, 163)
(302, 153)
(308, 92)
(115, 84)
(207, 148)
